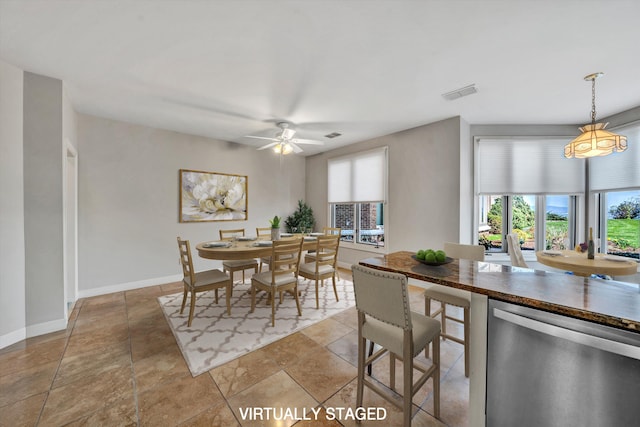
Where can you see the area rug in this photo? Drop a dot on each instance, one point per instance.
(215, 338)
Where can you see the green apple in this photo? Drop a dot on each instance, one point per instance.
(430, 257)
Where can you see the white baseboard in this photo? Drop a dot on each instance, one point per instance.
(85, 293)
(13, 337)
(32, 331)
(46, 327)
(345, 265)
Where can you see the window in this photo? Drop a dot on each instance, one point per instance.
(490, 227)
(526, 186)
(357, 194)
(559, 220)
(516, 213)
(622, 224)
(615, 183)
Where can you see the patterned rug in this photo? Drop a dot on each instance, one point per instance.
(215, 338)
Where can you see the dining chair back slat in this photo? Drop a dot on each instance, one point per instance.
(323, 264)
(232, 266)
(230, 234)
(201, 281)
(283, 277)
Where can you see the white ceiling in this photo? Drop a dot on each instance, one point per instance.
(230, 68)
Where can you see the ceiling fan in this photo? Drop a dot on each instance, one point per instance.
(284, 142)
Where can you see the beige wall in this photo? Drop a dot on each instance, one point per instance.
(43, 183)
(128, 193)
(12, 262)
(425, 186)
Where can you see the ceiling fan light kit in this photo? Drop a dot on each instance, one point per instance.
(594, 139)
(284, 141)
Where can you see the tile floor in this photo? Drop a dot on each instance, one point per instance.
(118, 364)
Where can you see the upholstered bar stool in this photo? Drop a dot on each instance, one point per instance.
(456, 297)
(385, 318)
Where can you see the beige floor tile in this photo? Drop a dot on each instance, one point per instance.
(20, 385)
(289, 349)
(164, 366)
(216, 416)
(31, 355)
(278, 392)
(348, 317)
(120, 414)
(326, 331)
(93, 362)
(346, 347)
(97, 338)
(177, 401)
(391, 416)
(23, 412)
(86, 396)
(244, 372)
(321, 373)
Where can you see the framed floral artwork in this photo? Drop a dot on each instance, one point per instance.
(211, 196)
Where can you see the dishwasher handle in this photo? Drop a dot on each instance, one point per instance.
(603, 344)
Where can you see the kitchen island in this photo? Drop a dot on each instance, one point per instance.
(603, 302)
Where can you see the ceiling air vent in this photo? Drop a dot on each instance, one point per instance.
(459, 93)
(332, 135)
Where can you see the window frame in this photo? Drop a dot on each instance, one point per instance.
(357, 243)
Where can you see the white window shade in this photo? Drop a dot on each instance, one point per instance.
(527, 166)
(358, 178)
(618, 170)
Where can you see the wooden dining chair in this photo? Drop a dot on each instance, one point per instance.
(456, 297)
(282, 277)
(263, 233)
(324, 266)
(232, 266)
(310, 256)
(515, 253)
(385, 318)
(201, 281)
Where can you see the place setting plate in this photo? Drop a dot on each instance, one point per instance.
(263, 243)
(615, 258)
(447, 260)
(245, 238)
(216, 245)
(552, 253)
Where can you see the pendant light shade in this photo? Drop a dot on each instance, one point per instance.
(594, 140)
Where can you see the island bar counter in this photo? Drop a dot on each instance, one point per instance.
(606, 302)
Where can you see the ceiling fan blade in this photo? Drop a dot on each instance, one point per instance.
(296, 149)
(262, 137)
(264, 147)
(308, 141)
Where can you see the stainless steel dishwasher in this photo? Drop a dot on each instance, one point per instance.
(545, 370)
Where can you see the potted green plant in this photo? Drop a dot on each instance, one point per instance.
(275, 227)
(302, 220)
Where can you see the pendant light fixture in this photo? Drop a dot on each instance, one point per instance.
(594, 140)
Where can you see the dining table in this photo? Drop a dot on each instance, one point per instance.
(581, 265)
(247, 247)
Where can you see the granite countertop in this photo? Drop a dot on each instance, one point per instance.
(602, 301)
